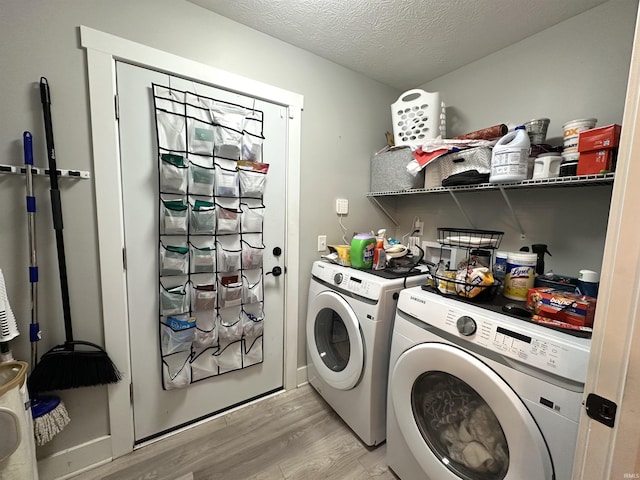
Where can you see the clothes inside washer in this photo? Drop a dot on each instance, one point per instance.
(459, 426)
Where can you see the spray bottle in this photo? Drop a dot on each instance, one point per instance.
(379, 254)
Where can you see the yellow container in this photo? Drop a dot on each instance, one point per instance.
(521, 274)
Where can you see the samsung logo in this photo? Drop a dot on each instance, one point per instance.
(419, 300)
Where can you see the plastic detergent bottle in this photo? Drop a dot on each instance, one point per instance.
(362, 248)
(510, 157)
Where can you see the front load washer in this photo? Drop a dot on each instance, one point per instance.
(480, 395)
(349, 318)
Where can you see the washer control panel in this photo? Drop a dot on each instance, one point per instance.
(540, 347)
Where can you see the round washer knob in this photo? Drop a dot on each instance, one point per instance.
(337, 278)
(466, 325)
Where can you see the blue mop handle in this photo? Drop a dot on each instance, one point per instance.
(34, 328)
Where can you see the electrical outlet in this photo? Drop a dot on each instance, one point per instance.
(418, 227)
(322, 243)
(342, 206)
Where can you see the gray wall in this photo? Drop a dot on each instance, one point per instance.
(575, 69)
(344, 121)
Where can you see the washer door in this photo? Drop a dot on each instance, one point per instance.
(462, 421)
(334, 340)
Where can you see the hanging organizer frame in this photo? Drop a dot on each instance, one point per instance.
(210, 238)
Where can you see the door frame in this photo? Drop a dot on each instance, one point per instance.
(102, 50)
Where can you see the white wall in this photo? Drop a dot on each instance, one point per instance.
(575, 69)
(344, 121)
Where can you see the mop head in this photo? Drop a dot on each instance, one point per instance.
(49, 418)
(66, 366)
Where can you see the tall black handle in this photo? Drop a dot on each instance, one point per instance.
(56, 206)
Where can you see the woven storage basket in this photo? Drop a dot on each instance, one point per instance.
(435, 171)
(389, 172)
(417, 116)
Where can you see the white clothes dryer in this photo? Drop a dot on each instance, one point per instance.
(480, 395)
(349, 318)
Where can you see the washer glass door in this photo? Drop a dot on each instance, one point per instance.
(461, 420)
(459, 427)
(335, 343)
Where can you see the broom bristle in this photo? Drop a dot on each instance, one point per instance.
(50, 416)
(60, 369)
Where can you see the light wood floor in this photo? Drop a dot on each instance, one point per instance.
(293, 435)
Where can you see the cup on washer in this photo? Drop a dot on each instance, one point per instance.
(547, 165)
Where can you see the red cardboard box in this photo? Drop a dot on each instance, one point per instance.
(561, 305)
(599, 161)
(598, 148)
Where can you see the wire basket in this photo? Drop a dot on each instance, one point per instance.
(470, 238)
(468, 282)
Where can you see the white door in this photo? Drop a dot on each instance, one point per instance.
(444, 398)
(157, 410)
(334, 340)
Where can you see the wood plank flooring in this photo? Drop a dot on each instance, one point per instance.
(293, 435)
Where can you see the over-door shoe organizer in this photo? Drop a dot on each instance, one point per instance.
(210, 240)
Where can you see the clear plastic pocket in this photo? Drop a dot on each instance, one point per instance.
(173, 300)
(203, 217)
(230, 293)
(252, 323)
(251, 183)
(173, 173)
(203, 297)
(203, 259)
(201, 180)
(251, 147)
(171, 131)
(174, 217)
(176, 371)
(252, 219)
(228, 260)
(226, 182)
(229, 325)
(228, 220)
(177, 334)
(173, 260)
(251, 256)
(201, 137)
(253, 293)
(206, 335)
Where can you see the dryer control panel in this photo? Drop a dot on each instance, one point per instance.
(362, 283)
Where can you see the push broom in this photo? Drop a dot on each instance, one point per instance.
(74, 363)
(49, 412)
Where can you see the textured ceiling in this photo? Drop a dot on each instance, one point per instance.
(401, 43)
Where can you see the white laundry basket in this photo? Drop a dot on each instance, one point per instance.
(17, 445)
(418, 116)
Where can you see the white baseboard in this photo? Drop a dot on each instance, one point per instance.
(301, 375)
(67, 463)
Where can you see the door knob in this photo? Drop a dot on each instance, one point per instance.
(275, 271)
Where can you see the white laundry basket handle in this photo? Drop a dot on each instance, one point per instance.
(417, 116)
(412, 95)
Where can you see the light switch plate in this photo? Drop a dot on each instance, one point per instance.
(342, 206)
